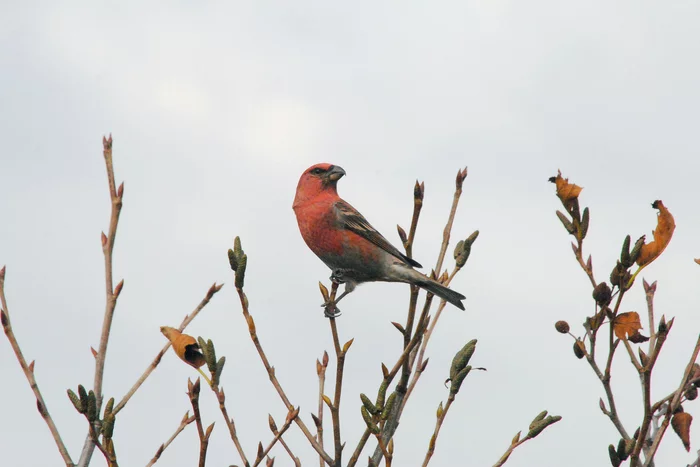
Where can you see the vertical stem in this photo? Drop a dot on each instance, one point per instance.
(335, 409)
(111, 294)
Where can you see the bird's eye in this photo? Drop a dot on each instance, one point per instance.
(317, 171)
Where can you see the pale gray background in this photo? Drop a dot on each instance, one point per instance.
(216, 108)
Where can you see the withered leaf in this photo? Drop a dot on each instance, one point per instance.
(662, 235)
(565, 191)
(638, 338)
(185, 346)
(681, 425)
(627, 324)
(697, 260)
(596, 321)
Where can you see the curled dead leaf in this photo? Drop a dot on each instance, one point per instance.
(185, 346)
(681, 425)
(662, 235)
(566, 191)
(627, 325)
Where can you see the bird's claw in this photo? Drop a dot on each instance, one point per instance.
(330, 310)
(337, 276)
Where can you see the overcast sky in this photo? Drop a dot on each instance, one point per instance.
(217, 108)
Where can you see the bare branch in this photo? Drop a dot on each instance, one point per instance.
(29, 373)
(185, 322)
(193, 393)
(111, 293)
(321, 367)
(273, 379)
(221, 397)
(438, 424)
(186, 420)
(673, 405)
(278, 436)
(401, 390)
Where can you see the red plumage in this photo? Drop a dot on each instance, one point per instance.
(343, 239)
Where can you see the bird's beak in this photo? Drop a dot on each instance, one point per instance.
(335, 173)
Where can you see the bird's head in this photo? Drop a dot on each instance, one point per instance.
(318, 179)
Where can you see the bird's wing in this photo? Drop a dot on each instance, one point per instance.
(352, 220)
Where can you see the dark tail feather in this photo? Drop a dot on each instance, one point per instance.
(443, 292)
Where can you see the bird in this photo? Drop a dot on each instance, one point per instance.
(348, 244)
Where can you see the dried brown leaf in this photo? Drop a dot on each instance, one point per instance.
(681, 425)
(185, 346)
(565, 191)
(627, 324)
(662, 235)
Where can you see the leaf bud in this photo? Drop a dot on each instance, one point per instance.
(625, 257)
(583, 226)
(566, 222)
(614, 459)
(461, 358)
(76, 401)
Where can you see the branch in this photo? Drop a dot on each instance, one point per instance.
(108, 453)
(538, 425)
(186, 420)
(673, 405)
(185, 322)
(29, 373)
(221, 397)
(110, 292)
(340, 366)
(278, 435)
(359, 448)
(321, 372)
(273, 379)
(393, 420)
(442, 413)
(420, 362)
(193, 393)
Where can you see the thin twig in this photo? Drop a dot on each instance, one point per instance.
(426, 338)
(386, 450)
(295, 459)
(186, 420)
(393, 419)
(321, 367)
(29, 373)
(509, 451)
(673, 405)
(633, 357)
(109, 456)
(193, 392)
(273, 379)
(221, 397)
(278, 436)
(110, 292)
(578, 252)
(339, 369)
(185, 322)
(360, 446)
(436, 432)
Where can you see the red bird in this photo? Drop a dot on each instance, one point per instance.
(343, 239)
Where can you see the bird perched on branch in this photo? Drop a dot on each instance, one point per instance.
(343, 239)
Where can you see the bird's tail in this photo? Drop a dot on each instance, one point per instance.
(434, 287)
(443, 292)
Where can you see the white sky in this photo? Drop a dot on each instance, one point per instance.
(217, 108)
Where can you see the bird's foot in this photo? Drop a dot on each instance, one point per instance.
(330, 310)
(338, 276)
